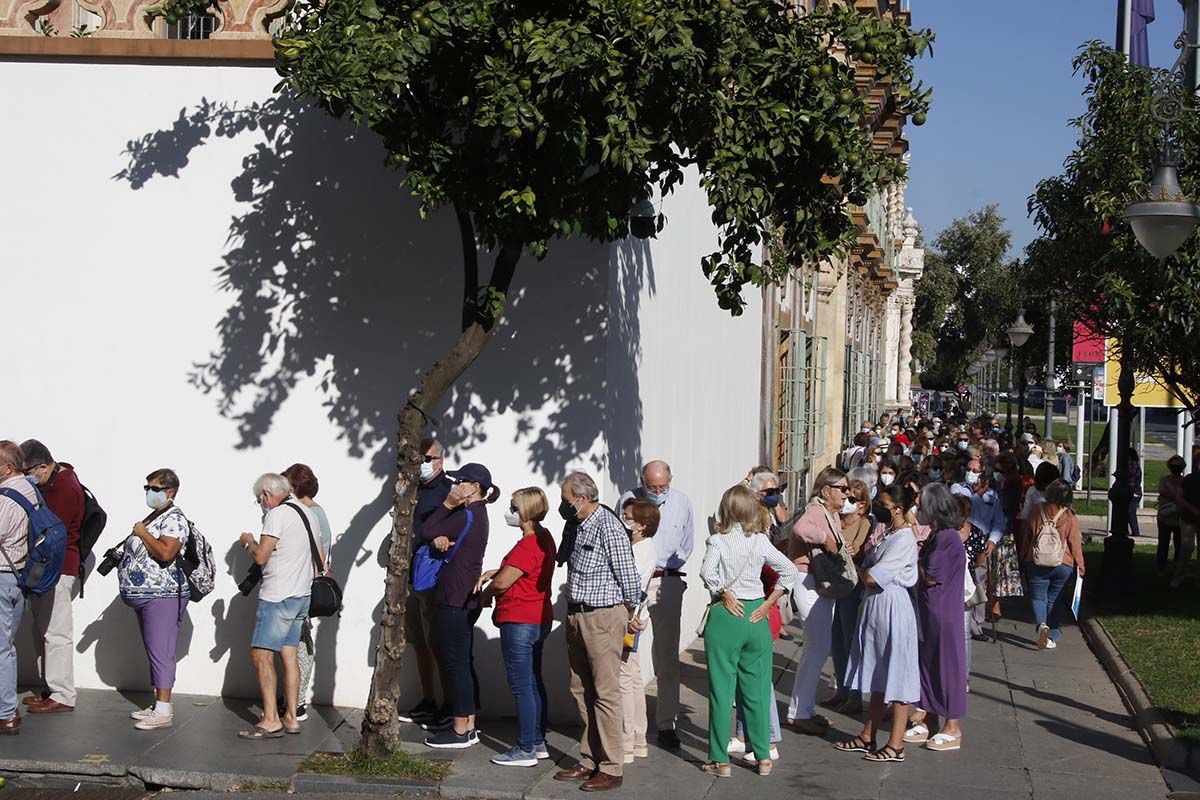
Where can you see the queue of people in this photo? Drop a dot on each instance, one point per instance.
(891, 567)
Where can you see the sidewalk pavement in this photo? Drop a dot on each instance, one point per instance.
(1046, 725)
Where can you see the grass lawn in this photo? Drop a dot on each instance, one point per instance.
(400, 765)
(1157, 629)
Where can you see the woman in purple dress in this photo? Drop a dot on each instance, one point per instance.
(943, 649)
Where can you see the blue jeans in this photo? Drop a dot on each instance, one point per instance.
(277, 625)
(12, 603)
(456, 643)
(776, 735)
(1045, 586)
(521, 646)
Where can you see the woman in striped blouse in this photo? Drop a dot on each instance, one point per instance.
(737, 635)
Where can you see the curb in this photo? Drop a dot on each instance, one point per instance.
(1181, 761)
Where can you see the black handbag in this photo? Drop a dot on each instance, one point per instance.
(325, 599)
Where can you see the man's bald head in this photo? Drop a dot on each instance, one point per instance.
(656, 476)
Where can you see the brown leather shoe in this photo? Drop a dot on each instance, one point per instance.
(10, 726)
(602, 783)
(29, 700)
(49, 707)
(576, 773)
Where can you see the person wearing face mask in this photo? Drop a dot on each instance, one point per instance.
(674, 543)
(52, 615)
(856, 527)
(765, 484)
(933, 469)
(603, 594)
(884, 655)
(887, 475)
(987, 514)
(459, 528)
(818, 528)
(419, 613)
(14, 542)
(641, 519)
(284, 551)
(521, 589)
(154, 586)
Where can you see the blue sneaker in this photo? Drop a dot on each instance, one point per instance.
(516, 757)
(541, 751)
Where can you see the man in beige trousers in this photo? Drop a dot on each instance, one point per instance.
(603, 592)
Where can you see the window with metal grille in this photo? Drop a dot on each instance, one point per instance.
(193, 26)
(800, 416)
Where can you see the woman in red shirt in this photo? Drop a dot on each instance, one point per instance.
(521, 588)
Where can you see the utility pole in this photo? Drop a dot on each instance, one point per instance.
(1048, 433)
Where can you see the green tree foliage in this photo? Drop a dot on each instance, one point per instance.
(545, 119)
(968, 294)
(1088, 258)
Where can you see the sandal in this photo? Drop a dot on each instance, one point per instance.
(917, 734)
(293, 731)
(259, 732)
(856, 745)
(944, 742)
(719, 770)
(764, 767)
(885, 753)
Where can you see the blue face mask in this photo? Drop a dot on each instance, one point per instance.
(936, 474)
(916, 457)
(657, 498)
(771, 500)
(156, 500)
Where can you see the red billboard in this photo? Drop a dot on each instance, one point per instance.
(1088, 347)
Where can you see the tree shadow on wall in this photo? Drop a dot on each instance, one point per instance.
(333, 276)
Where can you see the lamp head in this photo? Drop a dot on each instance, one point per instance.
(1020, 331)
(1166, 217)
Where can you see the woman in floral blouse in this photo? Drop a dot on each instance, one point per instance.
(154, 586)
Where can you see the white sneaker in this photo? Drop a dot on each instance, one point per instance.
(142, 713)
(155, 720)
(750, 759)
(1051, 644)
(736, 746)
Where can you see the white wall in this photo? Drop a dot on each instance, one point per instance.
(227, 302)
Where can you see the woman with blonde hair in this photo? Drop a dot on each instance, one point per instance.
(818, 529)
(737, 634)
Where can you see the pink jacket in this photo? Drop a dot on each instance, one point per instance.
(815, 528)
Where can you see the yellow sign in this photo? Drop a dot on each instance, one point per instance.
(1147, 392)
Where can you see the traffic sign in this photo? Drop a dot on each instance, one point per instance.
(1082, 371)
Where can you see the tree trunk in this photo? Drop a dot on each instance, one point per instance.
(380, 728)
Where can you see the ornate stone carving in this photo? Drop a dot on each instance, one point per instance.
(125, 19)
(19, 17)
(247, 19)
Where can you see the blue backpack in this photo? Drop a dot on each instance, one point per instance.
(47, 545)
(427, 563)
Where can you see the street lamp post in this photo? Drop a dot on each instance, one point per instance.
(1019, 332)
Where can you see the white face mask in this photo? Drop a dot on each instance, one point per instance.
(157, 500)
(1059, 450)
(849, 507)
(512, 518)
(887, 478)
(426, 470)
(972, 478)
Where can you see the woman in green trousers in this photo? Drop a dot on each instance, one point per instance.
(737, 635)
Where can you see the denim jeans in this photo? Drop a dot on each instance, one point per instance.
(845, 622)
(1045, 586)
(12, 603)
(521, 646)
(776, 735)
(456, 638)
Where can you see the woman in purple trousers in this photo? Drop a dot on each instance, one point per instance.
(943, 645)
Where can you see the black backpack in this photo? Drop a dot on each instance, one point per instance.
(94, 520)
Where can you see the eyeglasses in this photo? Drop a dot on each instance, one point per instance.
(30, 470)
(150, 488)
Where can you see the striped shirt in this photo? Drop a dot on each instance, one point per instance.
(734, 561)
(601, 571)
(14, 524)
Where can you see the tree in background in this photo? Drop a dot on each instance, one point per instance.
(541, 120)
(1088, 258)
(967, 296)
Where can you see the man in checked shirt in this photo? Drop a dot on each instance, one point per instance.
(603, 592)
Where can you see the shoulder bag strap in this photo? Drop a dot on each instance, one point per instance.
(318, 562)
(466, 529)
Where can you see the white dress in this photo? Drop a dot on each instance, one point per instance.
(883, 656)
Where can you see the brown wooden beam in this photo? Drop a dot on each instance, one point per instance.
(259, 52)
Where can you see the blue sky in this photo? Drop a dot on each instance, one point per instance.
(1002, 94)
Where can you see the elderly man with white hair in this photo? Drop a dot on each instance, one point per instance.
(284, 551)
(673, 542)
(14, 542)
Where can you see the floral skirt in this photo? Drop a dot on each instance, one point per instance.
(1004, 570)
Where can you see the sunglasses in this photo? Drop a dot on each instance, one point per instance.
(841, 487)
(150, 488)
(430, 459)
(770, 492)
(512, 508)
